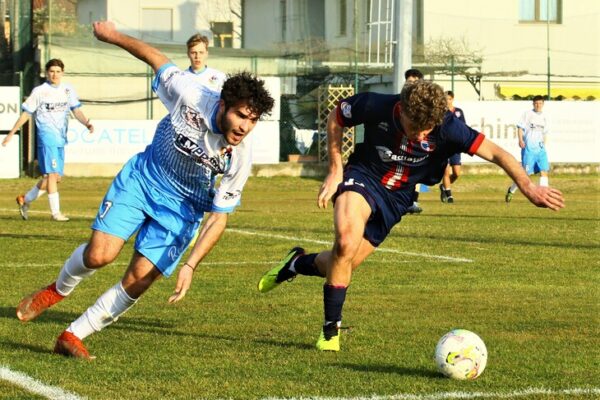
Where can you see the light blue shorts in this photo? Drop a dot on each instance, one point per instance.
(165, 226)
(51, 160)
(534, 161)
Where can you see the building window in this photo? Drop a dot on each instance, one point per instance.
(222, 34)
(540, 11)
(343, 17)
(157, 24)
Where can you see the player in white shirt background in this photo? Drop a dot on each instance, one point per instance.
(532, 130)
(50, 104)
(162, 194)
(197, 52)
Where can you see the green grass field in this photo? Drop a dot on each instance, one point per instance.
(525, 279)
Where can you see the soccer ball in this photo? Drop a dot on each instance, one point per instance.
(461, 354)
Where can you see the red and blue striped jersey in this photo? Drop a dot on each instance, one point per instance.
(388, 154)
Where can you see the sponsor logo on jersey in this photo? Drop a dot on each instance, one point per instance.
(346, 109)
(383, 126)
(55, 107)
(193, 119)
(217, 164)
(387, 155)
(232, 195)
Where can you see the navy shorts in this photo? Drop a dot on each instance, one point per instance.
(387, 207)
(454, 159)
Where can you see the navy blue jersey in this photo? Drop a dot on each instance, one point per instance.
(387, 153)
(458, 113)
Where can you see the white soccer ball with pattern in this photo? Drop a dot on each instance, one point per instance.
(461, 354)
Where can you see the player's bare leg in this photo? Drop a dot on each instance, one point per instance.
(351, 214)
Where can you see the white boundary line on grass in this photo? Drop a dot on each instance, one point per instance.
(34, 386)
(383, 250)
(460, 395)
(298, 239)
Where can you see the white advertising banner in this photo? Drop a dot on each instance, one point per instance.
(265, 142)
(115, 141)
(9, 158)
(574, 135)
(10, 106)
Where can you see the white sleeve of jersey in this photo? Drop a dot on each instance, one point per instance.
(31, 104)
(73, 99)
(169, 84)
(229, 193)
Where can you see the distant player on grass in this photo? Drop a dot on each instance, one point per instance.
(162, 193)
(197, 52)
(453, 169)
(532, 130)
(408, 140)
(50, 103)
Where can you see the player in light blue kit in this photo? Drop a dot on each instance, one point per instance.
(50, 103)
(533, 128)
(197, 52)
(162, 193)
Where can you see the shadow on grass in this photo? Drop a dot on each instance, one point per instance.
(392, 369)
(19, 346)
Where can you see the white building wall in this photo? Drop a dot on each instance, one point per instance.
(507, 45)
(188, 16)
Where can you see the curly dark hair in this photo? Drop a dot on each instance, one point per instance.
(424, 104)
(245, 87)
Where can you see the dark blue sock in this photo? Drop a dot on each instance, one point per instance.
(305, 265)
(333, 302)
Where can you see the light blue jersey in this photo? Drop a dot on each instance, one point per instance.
(51, 106)
(535, 126)
(163, 192)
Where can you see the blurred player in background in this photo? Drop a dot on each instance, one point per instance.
(162, 193)
(408, 140)
(410, 76)
(197, 51)
(532, 129)
(453, 170)
(50, 103)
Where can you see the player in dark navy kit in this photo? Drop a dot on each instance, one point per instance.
(453, 170)
(408, 140)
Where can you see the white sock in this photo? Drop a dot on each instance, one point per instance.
(33, 194)
(543, 181)
(107, 309)
(54, 201)
(513, 188)
(73, 272)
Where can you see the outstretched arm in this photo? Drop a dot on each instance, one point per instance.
(105, 31)
(541, 196)
(211, 232)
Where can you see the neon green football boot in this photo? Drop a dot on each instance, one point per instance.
(331, 344)
(280, 273)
